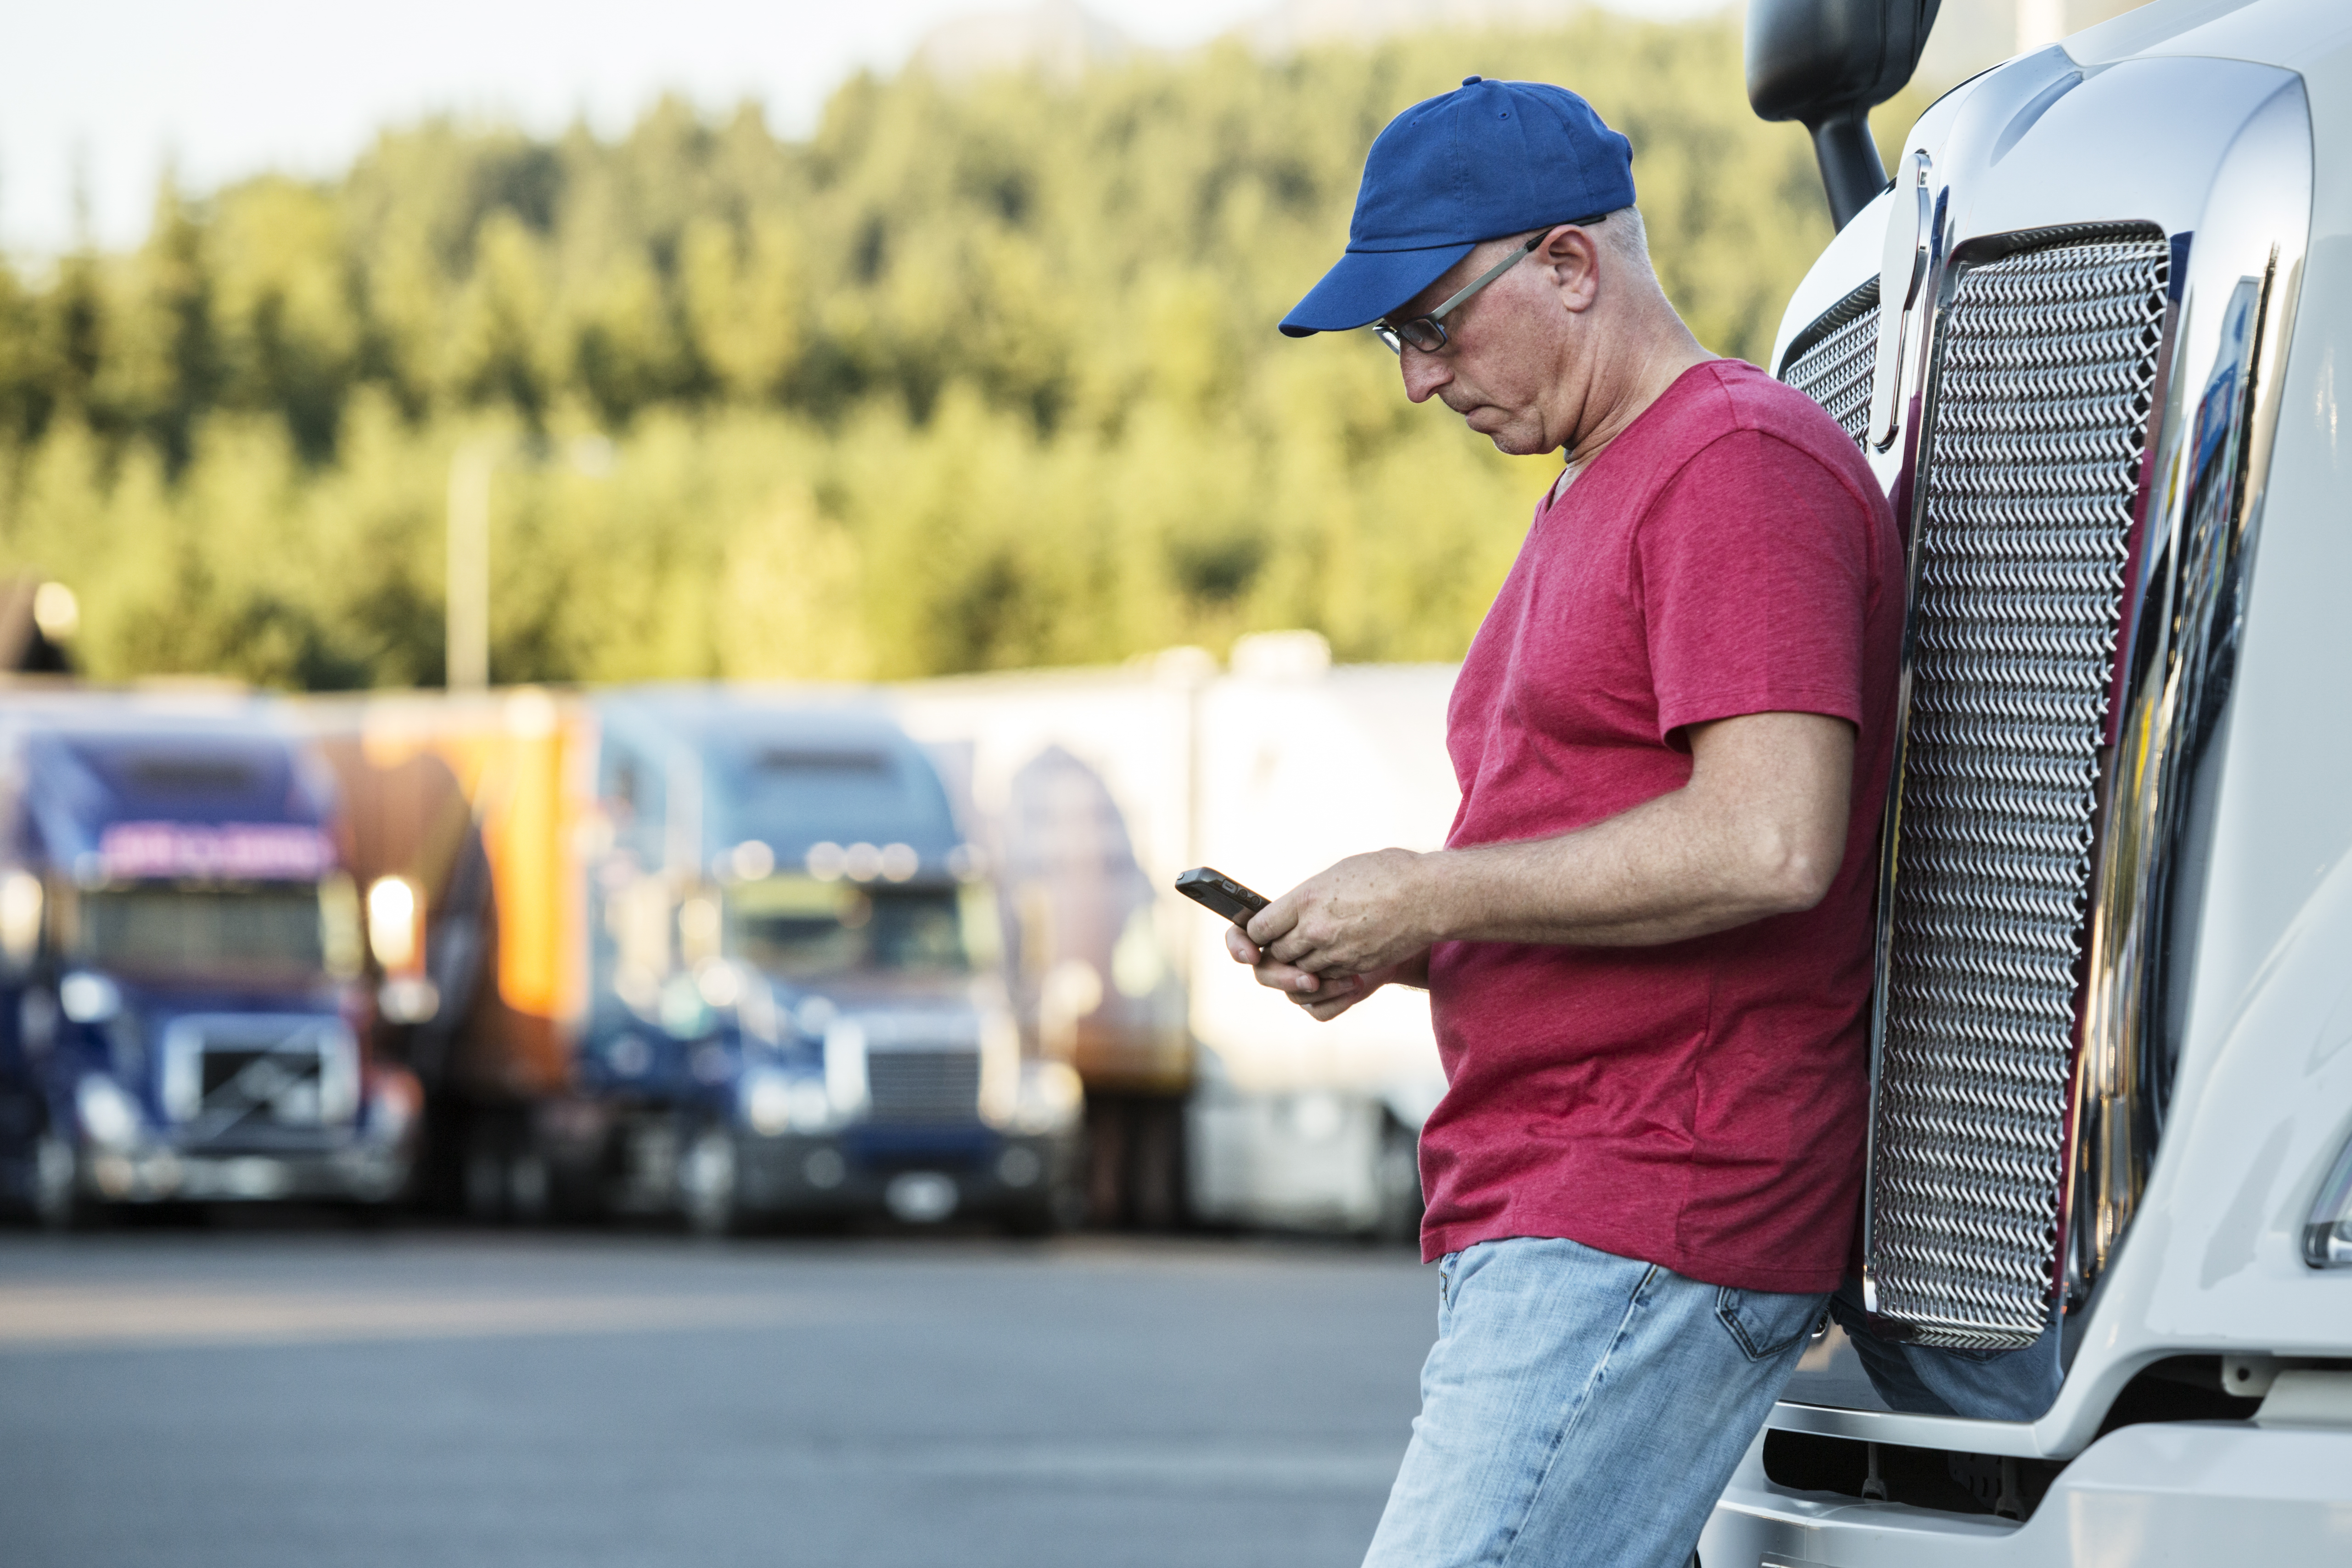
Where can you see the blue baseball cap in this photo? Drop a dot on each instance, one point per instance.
(1486, 159)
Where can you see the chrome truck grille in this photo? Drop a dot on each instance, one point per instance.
(2027, 477)
(240, 1073)
(923, 1085)
(1833, 359)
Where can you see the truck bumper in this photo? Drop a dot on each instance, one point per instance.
(990, 1174)
(2187, 1492)
(358, 1174)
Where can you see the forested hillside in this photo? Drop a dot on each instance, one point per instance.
(973, 378)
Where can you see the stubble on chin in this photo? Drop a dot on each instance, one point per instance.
(1501, 431)
(1512, 442)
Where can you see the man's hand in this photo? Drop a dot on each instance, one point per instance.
(1323, 997)
(1361, 915)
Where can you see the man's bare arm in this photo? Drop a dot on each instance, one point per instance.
(1758, 830)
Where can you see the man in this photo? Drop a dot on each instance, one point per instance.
(1647, 942)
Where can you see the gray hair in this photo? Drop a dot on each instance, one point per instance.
(1620, 232)
(1627, 235)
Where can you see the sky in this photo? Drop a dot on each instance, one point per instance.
(103, 95)
(98, 98)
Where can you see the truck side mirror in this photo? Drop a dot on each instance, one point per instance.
(1827, 64)
(21, 908)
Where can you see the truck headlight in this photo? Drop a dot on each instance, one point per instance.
(778, 1102)
(2328, 1233)
(1051, 1097)
(1000, 1066)
(767, 1102)
(88, 998)
(393, 1104)
(812, 1106)
(108, 1116)
(408, 999)
(846, 1085)
(395, 919)
(685, 1016)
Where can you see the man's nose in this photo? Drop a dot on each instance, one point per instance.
(1423, 373)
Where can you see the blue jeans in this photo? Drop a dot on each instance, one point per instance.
(1581, 1408)
(1987, 1385)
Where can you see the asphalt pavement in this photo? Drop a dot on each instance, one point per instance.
(319, 1397)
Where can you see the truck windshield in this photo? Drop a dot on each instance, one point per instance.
(797, 928)
(265, 932)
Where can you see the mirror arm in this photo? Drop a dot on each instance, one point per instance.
(1826, 64)
(1851, 171)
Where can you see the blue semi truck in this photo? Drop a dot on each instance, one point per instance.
(795, 1004)
(183, 1004)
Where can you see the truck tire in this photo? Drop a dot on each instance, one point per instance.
(484, 1178)
(578, 1194)
(709, 1185)
(504, 1176)
(1031, 1218)
(1135, 1177)
(1398, 1174)
(57, 1200)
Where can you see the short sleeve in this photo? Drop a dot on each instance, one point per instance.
(1754, 579)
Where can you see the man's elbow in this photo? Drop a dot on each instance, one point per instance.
(1792, 872)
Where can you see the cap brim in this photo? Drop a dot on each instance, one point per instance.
(1367, 285)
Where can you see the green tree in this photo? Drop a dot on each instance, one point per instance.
(973, 376)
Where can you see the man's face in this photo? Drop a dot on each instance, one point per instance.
(1509, 346)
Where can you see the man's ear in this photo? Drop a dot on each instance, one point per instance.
(1572, 256)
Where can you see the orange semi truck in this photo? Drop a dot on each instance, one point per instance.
(466, 822)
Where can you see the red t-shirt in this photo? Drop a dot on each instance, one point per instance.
(1699, 1105)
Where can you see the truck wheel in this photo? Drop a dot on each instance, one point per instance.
(1034, 1216)
(1068, 1203)
(57, 1200)
(710, 1187)
(1398, 1174)
(485, 1181)
(530, 1187)
(1059, 1205)
(505, 1175)
(579, 1195)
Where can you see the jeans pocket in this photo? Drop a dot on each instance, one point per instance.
(1766, 1323)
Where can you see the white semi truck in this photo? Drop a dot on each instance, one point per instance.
(2090, 338)
(1092, 789)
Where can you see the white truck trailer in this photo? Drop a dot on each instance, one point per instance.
(1092, 789)
(2090, 338)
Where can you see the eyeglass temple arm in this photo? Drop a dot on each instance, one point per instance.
(1519, 254)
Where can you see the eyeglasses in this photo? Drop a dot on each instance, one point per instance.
(1427, 333)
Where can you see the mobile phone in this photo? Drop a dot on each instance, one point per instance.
(1213, 890)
